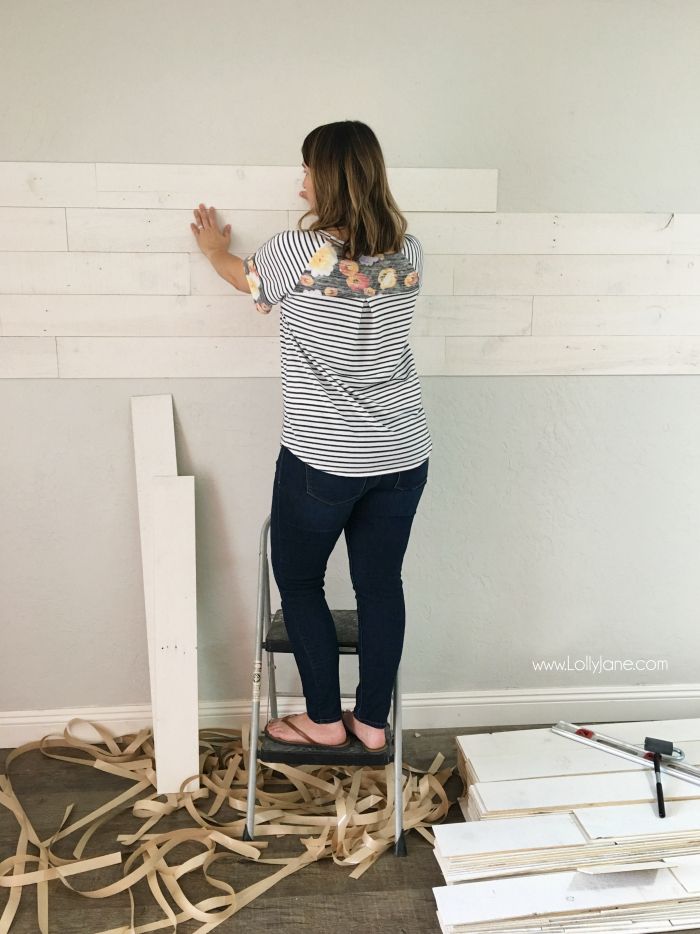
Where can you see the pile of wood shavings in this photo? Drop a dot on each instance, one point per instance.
(351, 808)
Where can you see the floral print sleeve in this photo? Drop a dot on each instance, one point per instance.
(262, 304)
(268, 272)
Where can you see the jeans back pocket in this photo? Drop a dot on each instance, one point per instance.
(413, 478)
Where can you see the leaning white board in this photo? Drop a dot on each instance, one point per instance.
(154, 455)
(173, 672)
(176, 724)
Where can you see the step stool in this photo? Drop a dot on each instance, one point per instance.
(271, 635)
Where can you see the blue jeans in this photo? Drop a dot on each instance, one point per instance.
(310, 508)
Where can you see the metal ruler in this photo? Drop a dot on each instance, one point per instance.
(671, 765)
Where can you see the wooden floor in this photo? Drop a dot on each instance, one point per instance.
(394, 896)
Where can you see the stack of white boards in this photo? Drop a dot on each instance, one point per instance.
(585, 837)
(641, 901)
(513, 773)
(563, 837)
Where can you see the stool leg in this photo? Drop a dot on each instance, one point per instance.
(271, 686)
(400, 840)
(263, 612)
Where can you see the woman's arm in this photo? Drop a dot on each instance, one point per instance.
(229, 267)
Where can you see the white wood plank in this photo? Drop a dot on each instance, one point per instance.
(584, 759)
(630, 820)
(225, 315)
(231, 315)
(238, 187)
(553, 761)
(470, 838)
(615, 314)
(567, 356)
(687, 870)
(224, 357)
(277, 187)
(176, 724)
(153, 432)
(437, 275)
(164, 231)
(541, 740)
(94, 273)
(570, 791)
(510, 741)
(32, 229)
(118, 357)
(548, 893)
(428, 354)
(47, 184)
(28, 357)
(470, 315)
(454, 231)
(495, 274)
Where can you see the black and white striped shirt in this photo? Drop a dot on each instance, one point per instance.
(351, 395)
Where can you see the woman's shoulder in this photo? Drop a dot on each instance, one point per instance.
(292, 244)
(413, 247)
(294, 239)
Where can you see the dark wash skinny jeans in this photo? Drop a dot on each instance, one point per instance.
(310, 508)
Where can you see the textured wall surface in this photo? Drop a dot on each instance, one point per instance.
(553, 186)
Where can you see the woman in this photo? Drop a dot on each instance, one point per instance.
(355, 444)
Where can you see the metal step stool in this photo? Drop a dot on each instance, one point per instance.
(271, 635)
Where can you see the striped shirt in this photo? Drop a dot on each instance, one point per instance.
(351, 395)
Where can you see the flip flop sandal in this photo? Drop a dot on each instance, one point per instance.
(369, 749)
(309, 740)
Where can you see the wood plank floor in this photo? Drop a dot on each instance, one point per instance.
(394, 896)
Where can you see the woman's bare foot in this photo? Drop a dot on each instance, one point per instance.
(371, 736)
(330, 733)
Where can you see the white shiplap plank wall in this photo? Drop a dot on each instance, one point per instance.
(100, 276)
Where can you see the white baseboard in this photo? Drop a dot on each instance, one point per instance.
(450, 709)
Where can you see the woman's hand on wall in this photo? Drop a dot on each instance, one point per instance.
(206, 231)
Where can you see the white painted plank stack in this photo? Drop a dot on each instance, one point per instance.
(640, 901)
(517, 772)
(564, 837)
(589, 836)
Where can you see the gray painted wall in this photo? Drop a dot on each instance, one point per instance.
(561, 513)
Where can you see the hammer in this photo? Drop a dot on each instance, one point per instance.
(659, 747)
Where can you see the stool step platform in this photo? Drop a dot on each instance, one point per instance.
(354, 754)
(277, 639)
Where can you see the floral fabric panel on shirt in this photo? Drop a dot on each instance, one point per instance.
(272, 270)
(305, 263)
(329, 274)
(253, 277)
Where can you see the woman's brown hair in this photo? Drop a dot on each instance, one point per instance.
(352, 192)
